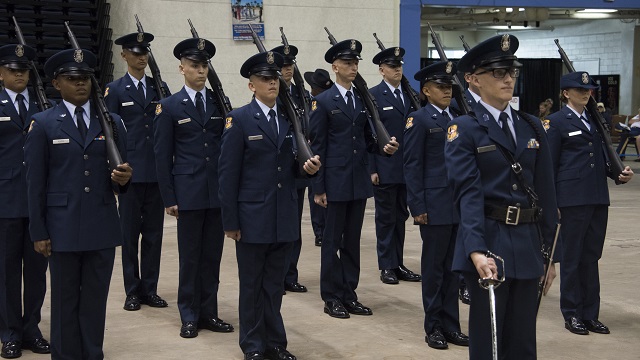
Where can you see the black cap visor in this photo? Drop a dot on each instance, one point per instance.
(499, 62)
(137, 49)
(347, 55)
(440, 79)
(73, 71)
(16, 65)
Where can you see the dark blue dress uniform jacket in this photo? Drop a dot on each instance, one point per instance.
(76, 213)
(579, 160)
(13, 184)
(480, 173)
(392, 113)
(344, 175)
(187, 152)
(428, 187)
(257, 183)
(121, 97)
(470, 100)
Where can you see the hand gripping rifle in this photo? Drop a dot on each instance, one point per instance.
(299, 84)
(294, 113)
(380, 132)
(163, 92)
(464, 44)
(224, 105)
(614, 164)
(459, 94)
(38, 86)
(109, 128)
(413, 96)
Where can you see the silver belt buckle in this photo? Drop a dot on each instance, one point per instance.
(513, 215)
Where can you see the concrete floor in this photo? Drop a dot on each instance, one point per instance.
(395, 331)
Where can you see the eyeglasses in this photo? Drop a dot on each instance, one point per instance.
(500, 73)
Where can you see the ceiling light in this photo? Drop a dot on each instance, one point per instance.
(509, 10)
(601, 11)
(521, 9)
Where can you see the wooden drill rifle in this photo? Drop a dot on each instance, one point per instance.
(109, 128)
(458, 93)
(371, 106)
(299, 84)
(38, 86)
(464, 44)
(413, 96)
(294, 113)
(615, 164)
(224, 105)
(153, 66)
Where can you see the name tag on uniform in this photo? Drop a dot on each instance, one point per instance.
(5, 118)
(333, 112)
(435, 130)
(255, 137)
(184, 121)
(388, 108)
(575, 133)
(484, 149)
(60, 141)
(127, 103)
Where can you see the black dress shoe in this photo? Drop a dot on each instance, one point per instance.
(436, 340)
(596, 327)
(335, 309)
(11, 350)
(407, 275)
(278, 353)
(456, 338)
(576, 326)
(188, 329)
(295, 287)
(132, 303)
(215, 324)
(356, 308)
(388, 277)
(37, 346)
(318, 241)
(154, 301)
(253, 355)
(463, 294)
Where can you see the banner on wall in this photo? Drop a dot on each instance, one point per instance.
(608, 92)
(245, 13)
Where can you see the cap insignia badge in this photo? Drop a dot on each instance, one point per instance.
(78, 56)
(396, 52)
(19, 50)
(353, 45)
(140, 37)
(201, 44)
(270, 57)
(449, 67)
(585, 78)
(286, 50)
(505, 42)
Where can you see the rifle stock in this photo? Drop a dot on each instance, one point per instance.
(615, 164)
(299, 84)
(109, 128)
(371, 107)
(38, 86)
(413, 96)
(153, 66)
(224, 105)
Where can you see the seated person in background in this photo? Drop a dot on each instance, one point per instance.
(606, 113)
(632, 131)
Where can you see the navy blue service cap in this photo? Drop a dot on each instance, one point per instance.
(71, 62)
(16, 56)
(390, 56)
(347, 50)
(266, 63)
(578, 79)
(195, 49)
(136, 42)
(441, 72)
(496, 52)
(318, 79)
(288, 53)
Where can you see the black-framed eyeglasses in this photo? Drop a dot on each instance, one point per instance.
(500, 73)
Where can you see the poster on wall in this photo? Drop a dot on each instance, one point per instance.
(609, 91)
(245, 13)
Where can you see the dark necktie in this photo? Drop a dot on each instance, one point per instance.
(446, 116)
(141, 90)
(350, 104)
(583, 118)
(200, 105)
(504, 120)
(399, 96)
(22, 109)
(82, 126)
(272, 122)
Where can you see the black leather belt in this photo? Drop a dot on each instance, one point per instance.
(511, 215)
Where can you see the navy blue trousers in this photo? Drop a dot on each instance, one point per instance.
(391, 216)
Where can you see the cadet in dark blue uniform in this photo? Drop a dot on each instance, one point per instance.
(497, 216)
(340, 133)
(72, 206)
(188, 129)
(432, 206)
(581, 172)
(389, 190)
(134, 97)
(291, 280)
(18, 329)
(319, 81)
(259, 206)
